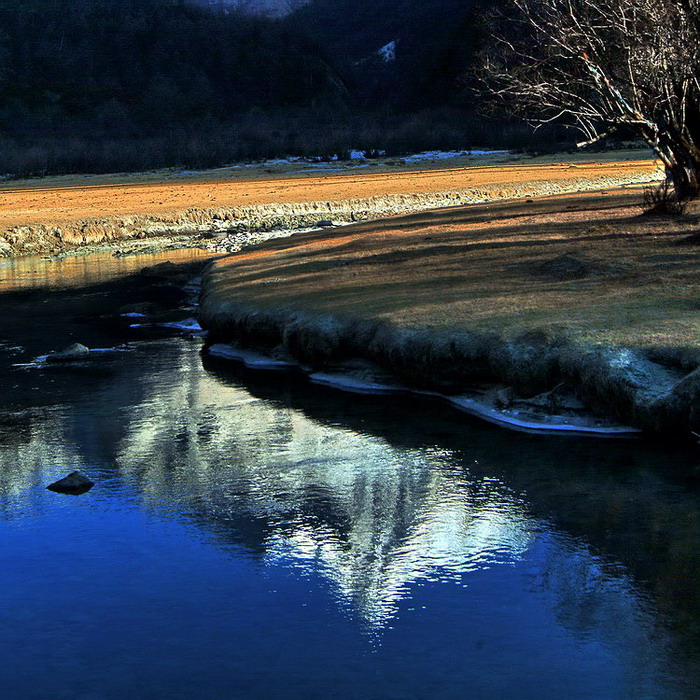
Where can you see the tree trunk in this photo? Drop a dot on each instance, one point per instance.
(685, 176)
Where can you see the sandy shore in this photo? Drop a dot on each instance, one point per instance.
(213, 208)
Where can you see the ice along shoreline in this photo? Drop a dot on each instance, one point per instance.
(480, 402)
(599, 391)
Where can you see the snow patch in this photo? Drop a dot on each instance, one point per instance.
(527, 422)
(189, 324)
(330, 168)
(543, 423)
(448, 155)
(40, 362)
(388, 52)
(354, 385)
(354, 154)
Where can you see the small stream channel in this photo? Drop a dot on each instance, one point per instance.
(254, 536)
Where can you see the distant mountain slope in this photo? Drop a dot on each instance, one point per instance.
(431, 42)
(146, 64)
(353, 28)
(272, 8)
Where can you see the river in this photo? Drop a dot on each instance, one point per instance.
(253, 536)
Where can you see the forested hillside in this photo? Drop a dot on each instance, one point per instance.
(139, 64)
(433, 44)
(88, 85)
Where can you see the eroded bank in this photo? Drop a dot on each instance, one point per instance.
(563, 307)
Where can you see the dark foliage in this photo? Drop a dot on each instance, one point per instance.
(100, 85)
(130, 65)
(435, 44)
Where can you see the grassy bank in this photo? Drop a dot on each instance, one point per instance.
(578, 293)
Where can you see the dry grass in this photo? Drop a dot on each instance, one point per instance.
(579, 288)
(588, 264)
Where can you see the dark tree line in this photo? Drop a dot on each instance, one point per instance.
(137, 65)
(97, 85)
(435, 43)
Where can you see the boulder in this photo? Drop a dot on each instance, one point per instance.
(74, 352)
(74, 484)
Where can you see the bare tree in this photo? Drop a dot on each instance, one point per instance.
(606, 66)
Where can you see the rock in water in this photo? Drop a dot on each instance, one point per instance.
(146, 309)
(161, 270)
(74, 484)
(77, 351)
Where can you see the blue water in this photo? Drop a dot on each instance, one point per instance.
(251, 536)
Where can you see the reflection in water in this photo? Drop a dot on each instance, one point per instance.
(81, 270)
(488, 563)
(371, 517)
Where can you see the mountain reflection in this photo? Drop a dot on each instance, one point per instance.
(373, 518)
(373, 501)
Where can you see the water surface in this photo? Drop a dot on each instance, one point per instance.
(253, 536)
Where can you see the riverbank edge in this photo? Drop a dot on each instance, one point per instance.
(248, 225)
(659, 396)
